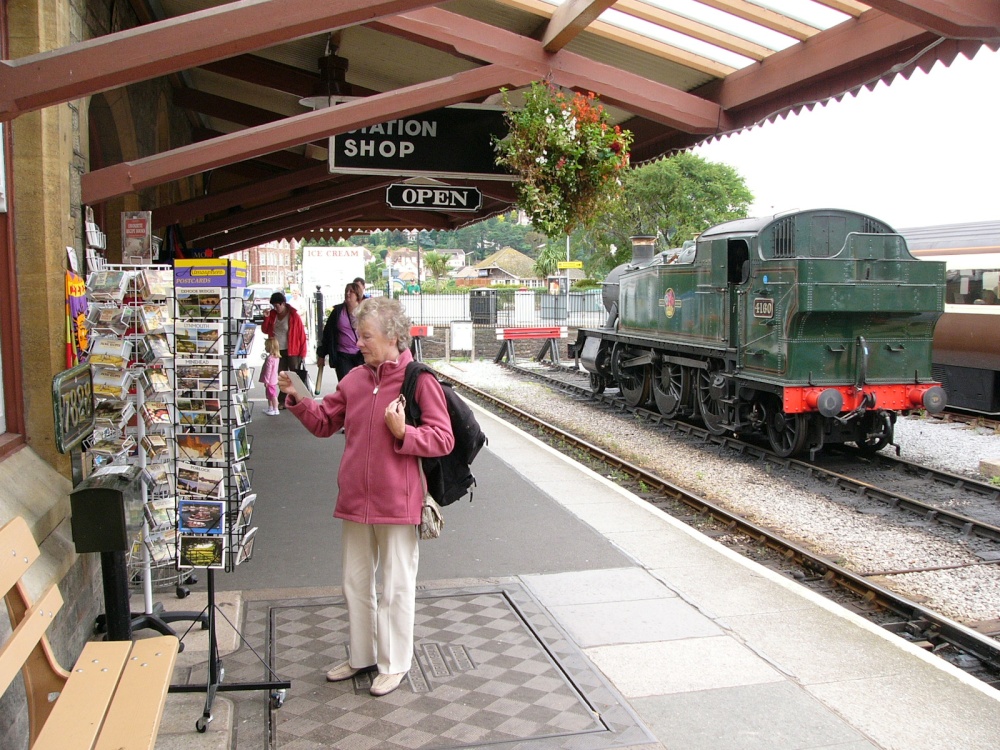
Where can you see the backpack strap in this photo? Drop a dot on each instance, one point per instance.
(409, 391)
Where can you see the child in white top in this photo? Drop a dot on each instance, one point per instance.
(269, 375)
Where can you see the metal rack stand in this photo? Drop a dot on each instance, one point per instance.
(235, 535)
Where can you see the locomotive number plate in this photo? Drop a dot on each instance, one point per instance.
(763, 307)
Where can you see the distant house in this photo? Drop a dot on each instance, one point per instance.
(507, 266)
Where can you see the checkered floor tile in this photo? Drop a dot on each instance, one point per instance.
(490, 668)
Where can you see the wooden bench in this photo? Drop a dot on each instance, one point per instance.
(112, 700)
(551, 335)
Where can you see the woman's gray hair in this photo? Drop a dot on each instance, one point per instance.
(390, 318)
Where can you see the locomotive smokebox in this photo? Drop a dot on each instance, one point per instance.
(643, 246)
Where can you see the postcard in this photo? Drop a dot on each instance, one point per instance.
(199, 303)
(201, 481)
(241, 475)
(160, 513)
(200, 551)
(197, 338)
(162, 545)
(155, 414)
(241, 443)
(156, 447)
(246, 511)
(200, 516)
(110, 351)
(246, 546)
(198, 375)
(201, 446)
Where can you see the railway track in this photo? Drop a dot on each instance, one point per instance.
(976, 652)
(840, 467)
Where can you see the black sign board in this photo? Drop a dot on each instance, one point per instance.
(431, 197)
(72, 407)
(450, 142)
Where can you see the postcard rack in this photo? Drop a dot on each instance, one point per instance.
(213, 335)
(131, 361)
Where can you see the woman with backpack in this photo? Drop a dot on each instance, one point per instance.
(380, 488)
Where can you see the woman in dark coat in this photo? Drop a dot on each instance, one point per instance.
(340, 337)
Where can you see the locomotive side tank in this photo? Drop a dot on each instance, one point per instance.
(811, 327)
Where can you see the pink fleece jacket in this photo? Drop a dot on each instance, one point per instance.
(379, 480)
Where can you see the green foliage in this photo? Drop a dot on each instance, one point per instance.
(547, 262)
(676, 198)
(373, 271)
(567, 156)
(436, 264)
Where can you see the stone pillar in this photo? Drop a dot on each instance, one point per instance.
(46, 183)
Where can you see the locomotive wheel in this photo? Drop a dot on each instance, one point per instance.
(633, 381)
(670, 388)
(635, 385)
(713, 411)
(597, 383)
(874, 433)
(788, 433)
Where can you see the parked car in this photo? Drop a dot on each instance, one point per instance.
(261, 301)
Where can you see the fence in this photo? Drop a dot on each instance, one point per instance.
(488, 308)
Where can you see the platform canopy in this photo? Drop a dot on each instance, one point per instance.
(250, 72)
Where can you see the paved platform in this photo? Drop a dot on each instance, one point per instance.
(556, 611)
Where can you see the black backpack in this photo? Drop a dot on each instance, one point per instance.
(449, 477)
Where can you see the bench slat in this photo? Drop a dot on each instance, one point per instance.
(78, 715)
(134, 718)
(17, 552)
(15, 652)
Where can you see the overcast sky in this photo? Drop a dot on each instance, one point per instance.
(920, 152)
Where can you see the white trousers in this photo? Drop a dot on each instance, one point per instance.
(381, 631)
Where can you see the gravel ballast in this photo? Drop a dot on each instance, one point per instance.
(868, 543)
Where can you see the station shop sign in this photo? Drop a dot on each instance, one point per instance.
(433, 197)
(454, 141)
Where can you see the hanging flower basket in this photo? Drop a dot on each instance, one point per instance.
(567, 156)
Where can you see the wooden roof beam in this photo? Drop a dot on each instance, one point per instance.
(128, 177)
(195, 208)
(35, 81)
(569, 19)
(968, 19)
(297, 202)
(830, 53)
(477, 40)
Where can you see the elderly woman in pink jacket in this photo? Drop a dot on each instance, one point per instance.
(380, 488)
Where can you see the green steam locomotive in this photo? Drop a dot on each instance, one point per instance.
(810, 327)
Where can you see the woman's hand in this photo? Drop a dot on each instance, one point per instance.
(285, 384)
(395, 417)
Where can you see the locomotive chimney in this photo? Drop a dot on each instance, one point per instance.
(642, 248)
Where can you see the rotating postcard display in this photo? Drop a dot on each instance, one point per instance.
(212, 338)
(130, 355)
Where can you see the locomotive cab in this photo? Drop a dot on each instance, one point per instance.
(809, 327)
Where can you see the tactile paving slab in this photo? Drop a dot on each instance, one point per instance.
(490, 668)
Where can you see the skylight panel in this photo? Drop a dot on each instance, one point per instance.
(725, 22)
(674, 39)
(805, 11)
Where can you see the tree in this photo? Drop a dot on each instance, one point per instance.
(548, 259)
(676, 199)
(373, 272)
(436, 264)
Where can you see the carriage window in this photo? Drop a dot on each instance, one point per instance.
(973, 287)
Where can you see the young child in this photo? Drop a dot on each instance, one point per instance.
(269, 375)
